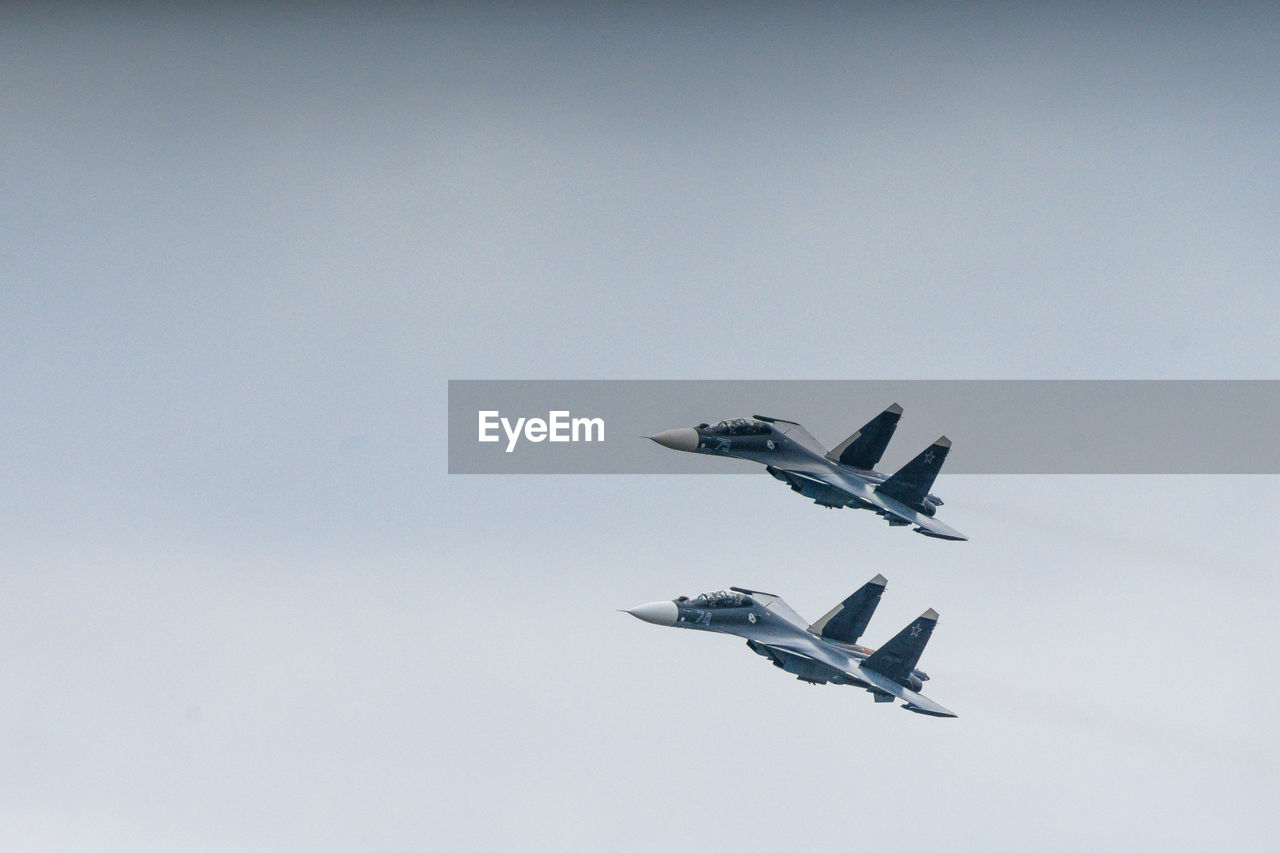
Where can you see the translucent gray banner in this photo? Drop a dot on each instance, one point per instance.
(996, 426)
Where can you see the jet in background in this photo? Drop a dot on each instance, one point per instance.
(844, 476)
(826, 651)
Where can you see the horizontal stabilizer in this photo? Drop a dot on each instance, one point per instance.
(937, 530)
(846, 622)
(912, 482)
(864, 448)
(932, 709)
(898, 657)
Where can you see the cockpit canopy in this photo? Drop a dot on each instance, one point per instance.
(720, 598)
(739, 426)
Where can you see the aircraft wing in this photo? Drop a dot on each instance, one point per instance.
(802, 659)
(836, 668)
(869, 677)
(867, 493)
(914, 701)
(928, 526)
(801, 648)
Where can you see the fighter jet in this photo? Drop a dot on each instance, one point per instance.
(826, 651)
(845, 476)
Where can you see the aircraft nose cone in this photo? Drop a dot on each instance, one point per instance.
(657, 612)
(685, 438)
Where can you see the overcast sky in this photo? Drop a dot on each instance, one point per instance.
(243, 606)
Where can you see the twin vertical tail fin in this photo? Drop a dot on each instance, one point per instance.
(912, 482)
(846, 622)
(897, 658)
(864, 448)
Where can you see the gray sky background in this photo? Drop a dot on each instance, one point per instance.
(244, 606)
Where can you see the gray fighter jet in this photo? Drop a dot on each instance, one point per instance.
(826, 651)
(845, 476)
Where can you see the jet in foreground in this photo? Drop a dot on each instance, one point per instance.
(845, 476)
(826, 651)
